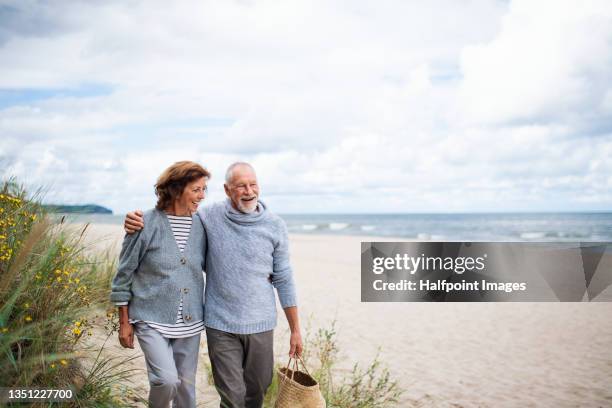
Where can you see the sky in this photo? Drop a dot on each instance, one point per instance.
(341, 106)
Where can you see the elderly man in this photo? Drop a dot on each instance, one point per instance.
(248, 256)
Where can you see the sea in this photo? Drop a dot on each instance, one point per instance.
(506, 227)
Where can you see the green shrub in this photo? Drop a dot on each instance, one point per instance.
(48, 288)
(369, 388)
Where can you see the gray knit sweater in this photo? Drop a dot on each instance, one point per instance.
(248, 256)
(153, 274)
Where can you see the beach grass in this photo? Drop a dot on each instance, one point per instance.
(49, 286)
(371, 387)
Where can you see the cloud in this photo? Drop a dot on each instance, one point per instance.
(30, 19)
(548, 64)
(341, 106)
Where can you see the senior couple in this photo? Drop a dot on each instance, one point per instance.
(159, 287)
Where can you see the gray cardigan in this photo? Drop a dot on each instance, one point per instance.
(153, 274)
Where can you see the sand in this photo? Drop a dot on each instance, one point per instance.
(442, 354)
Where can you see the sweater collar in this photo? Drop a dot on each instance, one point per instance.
(245, 219)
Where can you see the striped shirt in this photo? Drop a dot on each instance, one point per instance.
(181, 226)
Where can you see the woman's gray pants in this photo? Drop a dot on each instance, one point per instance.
(171, 365)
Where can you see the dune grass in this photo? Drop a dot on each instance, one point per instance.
(371, 387)
(48, 289)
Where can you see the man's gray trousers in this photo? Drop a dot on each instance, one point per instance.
(242, 366)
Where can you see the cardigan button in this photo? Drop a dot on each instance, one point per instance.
(183, 261)
(188, 317)
(186, 290)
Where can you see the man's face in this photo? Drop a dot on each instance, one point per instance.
(243, 189)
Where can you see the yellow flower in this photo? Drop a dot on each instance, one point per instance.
(76, 331)
(28, 319)
(59, 279)
(52, 365)
(26, 305)
(76, 280)
(77, 324)
(63, 362)
(58, 272)
(4, 329)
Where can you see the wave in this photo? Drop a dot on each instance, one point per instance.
(532, 235)
(336, 226)
(457, 227)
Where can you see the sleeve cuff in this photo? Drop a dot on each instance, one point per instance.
(120, 297)
(287, 301)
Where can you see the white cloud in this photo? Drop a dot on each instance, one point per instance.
(341, 106)
(550, 60)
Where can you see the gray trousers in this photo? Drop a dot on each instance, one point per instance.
(171, 365)
(242, 366)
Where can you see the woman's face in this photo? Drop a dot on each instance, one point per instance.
(193, 193)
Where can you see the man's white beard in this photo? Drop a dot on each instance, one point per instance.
(247, 209)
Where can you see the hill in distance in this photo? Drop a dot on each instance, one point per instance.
(78, 209)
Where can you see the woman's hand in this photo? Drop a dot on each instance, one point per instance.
(126, 330)
(126, 335)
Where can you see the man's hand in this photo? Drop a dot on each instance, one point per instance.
(295, 345)
(133, 222)
(126, 335)
(295, 342)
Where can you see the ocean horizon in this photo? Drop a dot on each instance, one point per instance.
(523, 226)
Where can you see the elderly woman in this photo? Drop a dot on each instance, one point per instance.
(159, 285)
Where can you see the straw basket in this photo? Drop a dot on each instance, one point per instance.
(297, 389)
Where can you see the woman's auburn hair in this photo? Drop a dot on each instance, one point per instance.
(172, 181)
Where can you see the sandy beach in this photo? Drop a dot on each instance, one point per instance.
(443, 354)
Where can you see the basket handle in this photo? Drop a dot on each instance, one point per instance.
(296, 366)
(303, 365)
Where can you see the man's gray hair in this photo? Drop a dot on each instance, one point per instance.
(230, 170)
